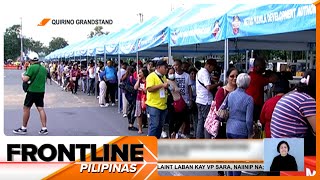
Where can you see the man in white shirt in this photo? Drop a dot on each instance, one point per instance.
(183, 81)
(98, 68)
(204, 96)
(123, 100)
(91, 78)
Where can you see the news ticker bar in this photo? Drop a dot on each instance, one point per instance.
(210, 167)
(210, 150)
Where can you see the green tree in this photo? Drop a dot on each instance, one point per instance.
(97, 31)
(12, 42)
(33, 45)
(57, 43)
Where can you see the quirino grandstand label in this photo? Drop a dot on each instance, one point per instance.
(81, 21)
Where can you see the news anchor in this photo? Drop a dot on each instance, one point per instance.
(284, 161)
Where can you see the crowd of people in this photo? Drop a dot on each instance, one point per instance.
(181, 96)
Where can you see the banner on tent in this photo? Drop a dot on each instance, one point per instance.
(148, 42)
(127, 47)
(112, 48)
(270, 19)
(206, 31)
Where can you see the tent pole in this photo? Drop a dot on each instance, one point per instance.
(247, 58)
(307, 57)
(169, 55)
(104, 55)
(227, 41)
(226, 60)
(96, 77)
(88, 89)
(119, 91)
(312, 60)
(137, 67)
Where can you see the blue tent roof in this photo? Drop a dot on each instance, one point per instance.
(112, 45)
(207, 24)
(160, 33)
(129, 45)
(256, 20)
(72, 52)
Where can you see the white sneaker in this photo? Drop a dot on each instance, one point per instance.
(101, 105)
(124, 115)
(164, 134)
(183, 136)
(107, 105)
(97, 97)
(113, 104)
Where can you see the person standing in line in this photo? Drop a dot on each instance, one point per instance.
(141, 96)
(221, 94)
(194, 110)
(74, 77)
(157, 99)
(35, 94)
(103, 89)
(182, 79)
(131, 97)
(111, 80)
(100, 65)
(84, 79)
(240, 121)
(91, 76)
(280, 88)
(257, 84)
(204, 96)
(123, 98)
(295, 114)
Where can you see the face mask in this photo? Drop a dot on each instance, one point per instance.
(171, 76)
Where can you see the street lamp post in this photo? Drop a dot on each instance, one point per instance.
(140, 17)
(21, 47)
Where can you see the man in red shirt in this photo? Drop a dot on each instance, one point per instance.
(257, 83)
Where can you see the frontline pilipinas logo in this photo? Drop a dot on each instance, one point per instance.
(132, 157)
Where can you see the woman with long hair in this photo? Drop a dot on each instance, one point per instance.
(74, 77)
(131, 97)
(176, 120)
(221, 94)
(141, 96)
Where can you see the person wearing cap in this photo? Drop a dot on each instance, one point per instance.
(35, 94)
(157, 98)
(280, 88)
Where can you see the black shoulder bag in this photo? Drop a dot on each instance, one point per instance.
(26, 85)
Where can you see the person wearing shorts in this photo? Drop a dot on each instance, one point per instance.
(34, 95)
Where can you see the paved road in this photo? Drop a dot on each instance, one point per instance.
(68, 115)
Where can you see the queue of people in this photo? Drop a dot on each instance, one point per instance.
(182, 95)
